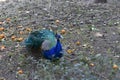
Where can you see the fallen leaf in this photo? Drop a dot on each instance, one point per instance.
(63, 31)
(21, 32)
(1, 28)
(20, 72)
(19, 39)
(77, 43)
(115, 66)
(13, 37)
(2, 36)
(2, 47)
(69, 51)
(8, 19)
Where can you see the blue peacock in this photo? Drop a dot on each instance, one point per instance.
(47, 42)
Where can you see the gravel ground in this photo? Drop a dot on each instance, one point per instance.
(95, 26)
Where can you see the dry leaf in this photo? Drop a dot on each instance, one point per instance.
(2, 47)
(115, 66)
(19, 39)
(28, 29)
(13, 37)
(69, 51)
(20, 72)
(63, 31)
(77, 43)
(21, 32)
(2, 36)
(1, 28)
(8, 19)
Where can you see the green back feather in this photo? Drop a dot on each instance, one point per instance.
(36, 38)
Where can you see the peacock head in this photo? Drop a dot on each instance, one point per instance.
(58, 36)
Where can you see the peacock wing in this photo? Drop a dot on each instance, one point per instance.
(34, 40)
(49, 38)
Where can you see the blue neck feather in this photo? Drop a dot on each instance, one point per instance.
(54, 52)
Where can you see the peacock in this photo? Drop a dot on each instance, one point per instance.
(47, 42)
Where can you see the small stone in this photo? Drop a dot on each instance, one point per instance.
(27, 12)
(98, 34)
(81, 22)
(85, 45)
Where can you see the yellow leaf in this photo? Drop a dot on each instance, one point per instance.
(63, 31)
(69, 51)
(77, 43)
(20, 72)
(2, 47)
(1, 29)
(2, 36)
(115, 66)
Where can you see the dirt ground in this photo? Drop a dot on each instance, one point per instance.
(91, 41)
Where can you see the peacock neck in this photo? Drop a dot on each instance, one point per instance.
(54, 52)
(58, 45)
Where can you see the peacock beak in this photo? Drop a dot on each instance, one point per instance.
(61, 37)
